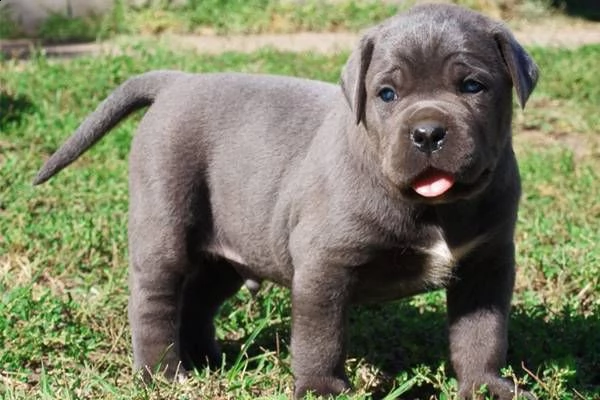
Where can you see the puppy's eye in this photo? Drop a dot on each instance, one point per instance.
(387, 95)
(471, 86)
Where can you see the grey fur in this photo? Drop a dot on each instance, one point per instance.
(242, 178)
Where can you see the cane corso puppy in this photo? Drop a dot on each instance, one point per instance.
(400, 180)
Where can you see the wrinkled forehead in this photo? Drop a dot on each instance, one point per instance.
(424, 39)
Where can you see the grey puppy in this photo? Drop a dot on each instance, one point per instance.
(400, 181)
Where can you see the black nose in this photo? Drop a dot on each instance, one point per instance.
(428, 137)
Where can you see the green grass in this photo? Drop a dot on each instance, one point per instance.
(576, 94)
(249, 16)
(63, 325)
(216, 16)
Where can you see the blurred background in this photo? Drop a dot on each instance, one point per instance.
(75, 20)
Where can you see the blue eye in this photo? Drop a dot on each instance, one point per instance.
(471, 86)
(387, 95)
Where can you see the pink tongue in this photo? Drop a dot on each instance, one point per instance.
(433, 185)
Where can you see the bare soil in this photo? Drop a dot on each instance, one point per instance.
(560, 32)
(583, 146)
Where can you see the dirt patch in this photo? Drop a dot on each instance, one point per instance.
(559, 33)
(580, 144)
(554, 32)
(550, 34)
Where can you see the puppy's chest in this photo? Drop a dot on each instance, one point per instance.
(401, 271)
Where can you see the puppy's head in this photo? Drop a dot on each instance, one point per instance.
(433, 88)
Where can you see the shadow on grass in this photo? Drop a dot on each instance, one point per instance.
(13, 108)
(564, 340)
(589, 9)
(397, 337)
(25, 49)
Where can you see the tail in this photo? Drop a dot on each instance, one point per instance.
(137, 92)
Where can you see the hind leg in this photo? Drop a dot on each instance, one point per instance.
(156, 279)
(169, 211)
(203, 293)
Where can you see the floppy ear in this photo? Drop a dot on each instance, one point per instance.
(522, 68)
(353, 77)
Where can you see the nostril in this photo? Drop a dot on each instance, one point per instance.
(437, 136)
(419, 136)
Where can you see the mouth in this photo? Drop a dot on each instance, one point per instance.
(435, 186)
(433, 183)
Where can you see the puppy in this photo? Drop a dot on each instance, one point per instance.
(398, 181)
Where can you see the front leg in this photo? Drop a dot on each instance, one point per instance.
(478, 308)
(319, 319)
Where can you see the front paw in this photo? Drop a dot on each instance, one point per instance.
(320, 385)
(501, 389)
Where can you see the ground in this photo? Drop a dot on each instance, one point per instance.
(554, 32)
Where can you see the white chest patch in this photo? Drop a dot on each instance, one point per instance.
(443, 260)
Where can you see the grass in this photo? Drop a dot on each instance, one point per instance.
(248, 16)
(213, 16)
(63, 325)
